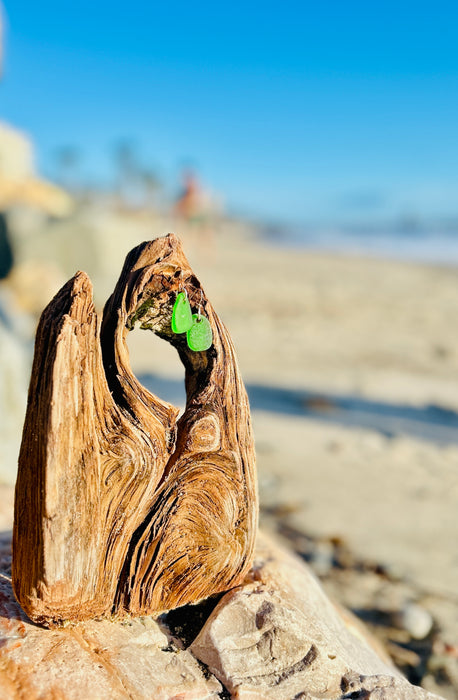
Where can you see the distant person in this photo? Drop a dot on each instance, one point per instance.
(193, 205)
(190, 202)
(6, 251)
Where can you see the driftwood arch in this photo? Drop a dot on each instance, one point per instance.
(121, 508)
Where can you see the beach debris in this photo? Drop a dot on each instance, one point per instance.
(399, 614)
(120, 507)
(322, 558)
(415, 620)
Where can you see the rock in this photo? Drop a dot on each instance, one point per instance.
(415, 620)
(322, 557)
(276, 637)
(381, 688)
(101, 660)
(279, 637)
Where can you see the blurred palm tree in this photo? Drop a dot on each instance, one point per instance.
(135, 184)
(68, 160)
(153, 188)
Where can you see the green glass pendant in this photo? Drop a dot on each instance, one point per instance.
(181, 314)
(200, 334)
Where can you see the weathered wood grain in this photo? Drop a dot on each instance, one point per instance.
(120, 507)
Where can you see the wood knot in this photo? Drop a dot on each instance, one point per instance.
(204, 435)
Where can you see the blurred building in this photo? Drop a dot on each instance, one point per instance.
(16, 154)
(19, 184)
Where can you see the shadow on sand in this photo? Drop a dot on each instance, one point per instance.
(432, 423)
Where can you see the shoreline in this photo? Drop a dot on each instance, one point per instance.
(424, 247)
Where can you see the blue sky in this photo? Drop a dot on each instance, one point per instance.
(302, 111)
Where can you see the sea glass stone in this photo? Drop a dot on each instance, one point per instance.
(181, 314)
(200, 336)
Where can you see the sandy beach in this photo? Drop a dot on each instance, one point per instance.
(351, 365)
(306, 158)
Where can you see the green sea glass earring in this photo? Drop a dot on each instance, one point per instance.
(182, 319)
(200, 335)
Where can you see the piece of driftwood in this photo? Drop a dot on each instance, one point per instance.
(119, 506)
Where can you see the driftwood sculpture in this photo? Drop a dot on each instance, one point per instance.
(120, 508)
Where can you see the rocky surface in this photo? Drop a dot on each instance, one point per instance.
(277, 637)
(414, 625)
(132, 659)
